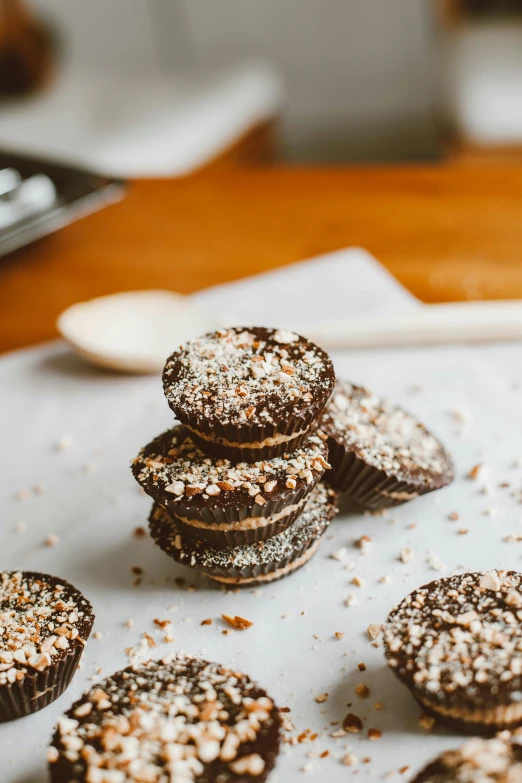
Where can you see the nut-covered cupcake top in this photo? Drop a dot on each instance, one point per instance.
(477, 761)
(308, 527)
(173, 469)
(384, 435)
(41, 618)
(459, 639)
(247, 376)
(179, 719)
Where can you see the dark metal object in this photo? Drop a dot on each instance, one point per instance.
(78, 193)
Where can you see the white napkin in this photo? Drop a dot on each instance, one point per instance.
(347, 282)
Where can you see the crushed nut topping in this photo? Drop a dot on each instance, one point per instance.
(382, 434)
(175, 468)
(246, 375)
(166, 721)
(478, 761)
(40, 619)
(459, 638)
(239, 623)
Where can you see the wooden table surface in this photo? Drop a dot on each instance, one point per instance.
(446, 232)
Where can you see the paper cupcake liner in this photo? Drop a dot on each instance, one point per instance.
(38, 689)
(295, 430)
(171, 542)
(366, 485)
(473, 728)
(221, 539)
(254, 574)
(270, 574)
(235, 516)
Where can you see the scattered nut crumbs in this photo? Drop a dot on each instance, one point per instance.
(361, 667)
(161, 623)
(51, 540)
(476, 472)
(65, 443)
(453, 516)
(378, 705)
(130, 623)
(140, 532)
(350, 760)
(364, 543)
(462, 531)
(406, 554)
(358, 582)
(374, 734)
(321, 698)
(338, 554)
(239, 623)
(362, 690)
(374, 630)
(351, 600)
(426, 722)
(97, 635)
(352, 723)
(338, 733)
(339, 635)
(207, 621)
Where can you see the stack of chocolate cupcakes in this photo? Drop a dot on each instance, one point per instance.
(237, 484)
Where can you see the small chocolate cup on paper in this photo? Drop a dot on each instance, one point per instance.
(250, 564)
(248, 393)
(487, 760)
(466, 631)
(177, 719)
(228, 504)
(380, 455)
(42, 666)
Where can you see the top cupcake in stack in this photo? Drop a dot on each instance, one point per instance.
(248, 394)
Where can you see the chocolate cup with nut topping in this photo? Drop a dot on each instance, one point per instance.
(38, 663)
(491, 761)
(455, 644)
(228, 504)
(248, 393)
(183, 718)
(381, 456)
(252, 564)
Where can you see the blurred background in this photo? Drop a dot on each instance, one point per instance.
(160, 86)
(243, 135)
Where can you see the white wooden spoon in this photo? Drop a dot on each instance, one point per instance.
(135, 331)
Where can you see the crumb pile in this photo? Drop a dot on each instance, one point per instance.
(253, 375)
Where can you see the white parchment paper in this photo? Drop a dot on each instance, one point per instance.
(87, 497)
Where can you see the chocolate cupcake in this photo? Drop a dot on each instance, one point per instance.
(248, 393)
(477, 761)
(44, 625)
(179, 719)
(223, 503)
(380, 455)
(251, 564)
(456, 643)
